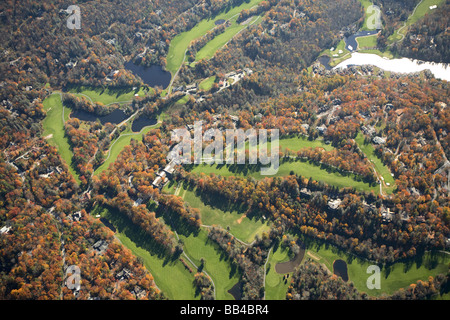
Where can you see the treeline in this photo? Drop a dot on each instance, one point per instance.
(356, 225)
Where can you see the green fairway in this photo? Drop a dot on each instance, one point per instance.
(383, 170)
(181, 42)
(171, 277)
(366, 4)
(218, 212)
(276, 284)
(223, 274)
(368, 42)
(421, 10)
(300, 142)
(108, 96)
(53, 125)
(209, 50)
(303, 168)
(117, 146)
(399, 275)
(338, 54)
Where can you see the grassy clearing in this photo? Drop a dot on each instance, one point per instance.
(181, 42)
(368, 42)
(170, 275)
(207, 84)
(276, 286)
(108, 96)
(53, 125)
(383, 170)
(399, 275)
(183, 100)
(223, 273)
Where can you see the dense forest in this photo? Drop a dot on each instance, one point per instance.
(49, 219)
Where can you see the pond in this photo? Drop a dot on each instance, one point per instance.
(350, 42)
(289, 266)
(142, 122)
(325, 61)
(340, 269)
(115, 117)
(153, 76)
(219, 22)
(403, 65)
(235, 291)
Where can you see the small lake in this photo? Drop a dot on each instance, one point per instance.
(235, 291)
(142, 122)
(340, 269)
(219, 22)
(403, 65)
(115, 117)
(350, 42)
(153, 76)
(325, 61)
(289, 266)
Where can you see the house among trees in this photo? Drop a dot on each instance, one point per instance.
(386, 214)
(124, 274)
(170, 168)
(4, 230)
(138, 292)
(234, 118)
(192, 88)
(100, 246)
(77, 216)
(306, 193)
(334, 204)
(322, 129)
(379, 140)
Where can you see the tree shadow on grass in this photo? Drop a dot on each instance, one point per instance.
(124, 225)
(176, 222)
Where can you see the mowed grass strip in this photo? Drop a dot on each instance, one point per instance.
(276, 286)
(171, 277)
(210, 49)
(53, 125)
(108, 96)
(223, 273)
(383, 170)
(181, 42)
(302, 168)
